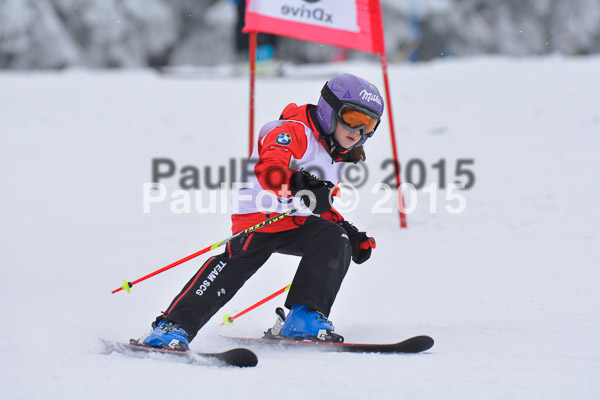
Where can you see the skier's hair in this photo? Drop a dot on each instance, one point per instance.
(358, 154)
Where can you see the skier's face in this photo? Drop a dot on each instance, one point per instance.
(346, 138)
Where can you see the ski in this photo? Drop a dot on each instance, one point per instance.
(238, 357)
(415, 344)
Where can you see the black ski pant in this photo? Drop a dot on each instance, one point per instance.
(322, 244)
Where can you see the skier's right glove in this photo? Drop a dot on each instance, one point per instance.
(306, 186)
(359, 241)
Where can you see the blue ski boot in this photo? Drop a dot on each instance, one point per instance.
(305, 323)
(168, 335)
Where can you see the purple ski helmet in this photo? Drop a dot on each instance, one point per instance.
(348, 91)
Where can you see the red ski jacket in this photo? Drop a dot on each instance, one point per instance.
(294, 136)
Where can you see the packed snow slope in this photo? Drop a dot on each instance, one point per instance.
(508, 287)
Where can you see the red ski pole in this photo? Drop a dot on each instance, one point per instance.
(229, 320)
(127, 285)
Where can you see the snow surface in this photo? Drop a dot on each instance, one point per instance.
(508, 288)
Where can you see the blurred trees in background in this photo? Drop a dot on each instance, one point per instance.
(132, 33)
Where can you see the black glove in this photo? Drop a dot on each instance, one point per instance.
(321, 190)
(359, 241)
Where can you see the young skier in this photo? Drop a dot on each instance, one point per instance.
(317, 138)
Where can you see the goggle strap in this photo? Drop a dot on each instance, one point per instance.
(331, 98)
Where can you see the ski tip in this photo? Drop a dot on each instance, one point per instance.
(240, 357)
(423, 342)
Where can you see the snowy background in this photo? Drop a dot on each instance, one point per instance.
(124, 33)
(508, 288)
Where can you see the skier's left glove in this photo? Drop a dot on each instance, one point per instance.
(359, 241)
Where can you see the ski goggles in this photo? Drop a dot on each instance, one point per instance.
(354, 118)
